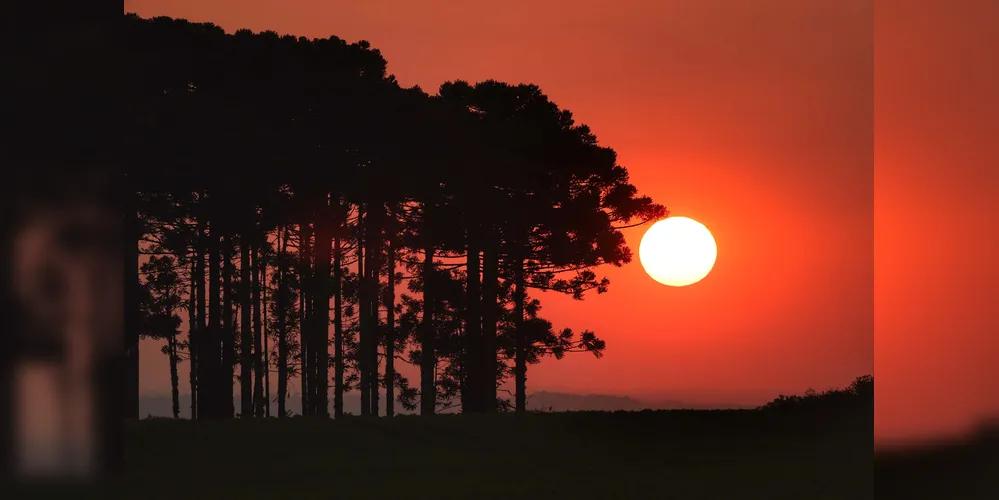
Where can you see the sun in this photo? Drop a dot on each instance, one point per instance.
(677, 251)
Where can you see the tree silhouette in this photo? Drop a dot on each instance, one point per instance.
(161, 298)
(331, 185)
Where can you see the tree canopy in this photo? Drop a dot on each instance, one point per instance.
(299, 187)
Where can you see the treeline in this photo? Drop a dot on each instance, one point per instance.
(310, 216)
(858, 395)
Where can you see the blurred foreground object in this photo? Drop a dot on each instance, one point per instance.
(62, 370)
(61, 258)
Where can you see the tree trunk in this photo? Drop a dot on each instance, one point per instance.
(203, 338)
(321, 294)
(471, 397)
(192, 340)
(174, 377)
(282, 301)
(302, 351)
(374, 270)
(305, 273)
(362, 315)
(267, 352)
(520, 339)
(338, 320)
(258, 339)
(390, 318)
(490, 289)
(213, 348)
(228, 332)
(246, 337)
(428, 333)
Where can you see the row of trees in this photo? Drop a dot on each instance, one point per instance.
(858, 395)
(311, 216)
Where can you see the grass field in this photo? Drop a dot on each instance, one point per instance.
(730, 454)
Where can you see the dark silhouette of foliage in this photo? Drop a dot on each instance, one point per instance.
(300, 187)
(162, 296)
(859, 394)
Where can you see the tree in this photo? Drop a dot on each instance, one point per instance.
(559, 195)
(481, 192)
(283, 310)
(161, 296)
(246, 340)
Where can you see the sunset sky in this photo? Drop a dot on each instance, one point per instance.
(937, 244)
(754, 118)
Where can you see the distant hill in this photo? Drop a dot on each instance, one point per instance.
(160, 405)
(681, 405)
(559, 401)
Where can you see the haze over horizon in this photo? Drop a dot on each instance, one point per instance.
(160, 405)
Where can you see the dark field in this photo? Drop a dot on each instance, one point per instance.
(726, 454)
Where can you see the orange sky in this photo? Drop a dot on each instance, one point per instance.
(936, 250)
(755, 118)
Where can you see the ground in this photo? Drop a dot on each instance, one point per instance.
(623, 455)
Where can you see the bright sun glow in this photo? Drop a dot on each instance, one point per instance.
(678, 251)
